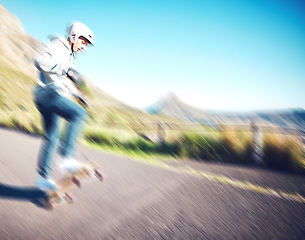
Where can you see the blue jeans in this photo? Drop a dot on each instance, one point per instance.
(52, 106)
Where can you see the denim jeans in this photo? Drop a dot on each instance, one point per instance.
(52, 106)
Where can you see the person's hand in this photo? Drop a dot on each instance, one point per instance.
(76, 77)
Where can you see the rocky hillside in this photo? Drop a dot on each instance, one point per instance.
(17, 73)
(17, 47)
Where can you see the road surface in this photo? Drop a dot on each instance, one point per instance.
(179, 200)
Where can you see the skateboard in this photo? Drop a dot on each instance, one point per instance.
(88, 171)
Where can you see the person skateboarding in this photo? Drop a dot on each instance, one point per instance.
(53, 98)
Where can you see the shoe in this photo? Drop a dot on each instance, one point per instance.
(45, 184)
(69, 165)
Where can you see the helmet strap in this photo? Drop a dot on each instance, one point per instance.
(72, 45)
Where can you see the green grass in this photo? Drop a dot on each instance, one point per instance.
(230, 147)
(131, 154)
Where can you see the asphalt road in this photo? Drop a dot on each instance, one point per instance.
(181, 200)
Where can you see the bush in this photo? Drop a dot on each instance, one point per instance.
(229, 146)
(283, 153)
(193, 145)
(237, 147)
(142, 145)
(129, 145)
(127, 141)
(100, 138)
(171, 148)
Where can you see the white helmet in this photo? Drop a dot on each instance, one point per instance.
(77, 30)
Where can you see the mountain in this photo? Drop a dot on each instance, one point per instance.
(170, 105)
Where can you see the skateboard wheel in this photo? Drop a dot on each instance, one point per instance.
(98, 175)
(68, 198)
(48, 205)
(87, 172)
(46, 202)
(76, 182)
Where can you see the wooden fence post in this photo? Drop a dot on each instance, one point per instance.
(257, 144)
(161, 132)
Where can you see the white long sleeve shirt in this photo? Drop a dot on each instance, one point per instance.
(53, 63)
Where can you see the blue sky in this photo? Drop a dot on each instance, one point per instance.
(232, 55)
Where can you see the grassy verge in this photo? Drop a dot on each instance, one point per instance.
(278, 151)
(133, 154)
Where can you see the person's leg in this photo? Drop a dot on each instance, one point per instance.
(74, 114)
(45, 161)
(43, 98)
